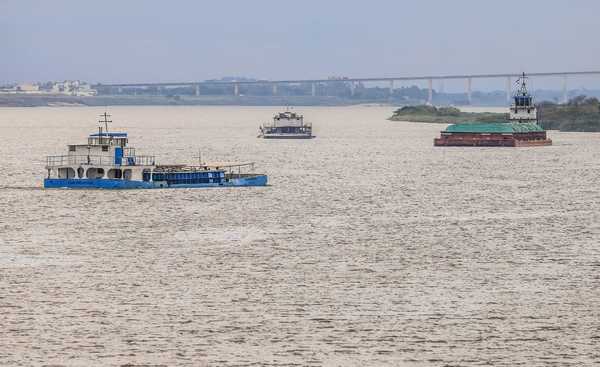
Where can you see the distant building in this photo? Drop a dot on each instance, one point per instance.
(73, 88)
(8, 89)
(67, 87)
(28, 88)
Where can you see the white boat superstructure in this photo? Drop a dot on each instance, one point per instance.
(105, 155)
(287, 125)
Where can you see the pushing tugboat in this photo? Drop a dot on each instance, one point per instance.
(107, 162)
(287, 125)
(522, 130)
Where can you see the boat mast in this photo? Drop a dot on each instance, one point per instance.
(199, 157)
(105, 121)
(522, 89)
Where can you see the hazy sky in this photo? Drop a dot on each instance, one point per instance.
(139, 41)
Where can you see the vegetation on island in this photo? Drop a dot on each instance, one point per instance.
(444, 115)
(578, 114)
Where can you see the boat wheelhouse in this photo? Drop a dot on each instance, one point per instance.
(106, 161)
(287, 125)
(521, 130)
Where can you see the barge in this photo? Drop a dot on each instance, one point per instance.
(522, 130)
(107, 162)
(287, 125)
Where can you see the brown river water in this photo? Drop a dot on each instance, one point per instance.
(370, 247)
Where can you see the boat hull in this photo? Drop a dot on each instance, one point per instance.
(288, 136)
(116, 184)
(85, 183)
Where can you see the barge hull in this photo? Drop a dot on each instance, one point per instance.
(492, 140)
(491, 143)
(533, 143)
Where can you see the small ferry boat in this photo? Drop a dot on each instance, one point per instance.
(107, 162)
(287, 125)
(522, 129)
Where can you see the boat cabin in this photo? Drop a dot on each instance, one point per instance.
(105, 156)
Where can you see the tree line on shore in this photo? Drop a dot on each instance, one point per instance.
(580, 113)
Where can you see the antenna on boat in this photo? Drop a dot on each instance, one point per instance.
(199, 157)
(105, 121)
(523, 85)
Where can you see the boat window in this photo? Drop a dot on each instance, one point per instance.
(127, 174)
(80, 172)
(66, 172)
(114, 173)
(105, 148)
(94, 173)
(71, 148)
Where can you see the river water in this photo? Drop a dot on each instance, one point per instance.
(369, 248)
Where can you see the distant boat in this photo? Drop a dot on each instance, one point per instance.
(107, 162)
(287, 125)
(522, 129)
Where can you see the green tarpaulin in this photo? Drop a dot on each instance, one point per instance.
(497, 128)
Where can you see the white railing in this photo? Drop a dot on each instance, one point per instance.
(97, 160)
(283, 124)
(139, 160)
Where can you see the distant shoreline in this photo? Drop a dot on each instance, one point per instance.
(24, 100)
(56, 100)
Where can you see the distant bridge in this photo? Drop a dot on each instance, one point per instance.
(235, 85)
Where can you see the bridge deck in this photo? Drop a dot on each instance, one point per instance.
(381, 79)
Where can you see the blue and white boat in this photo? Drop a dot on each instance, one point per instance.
(107, 162)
